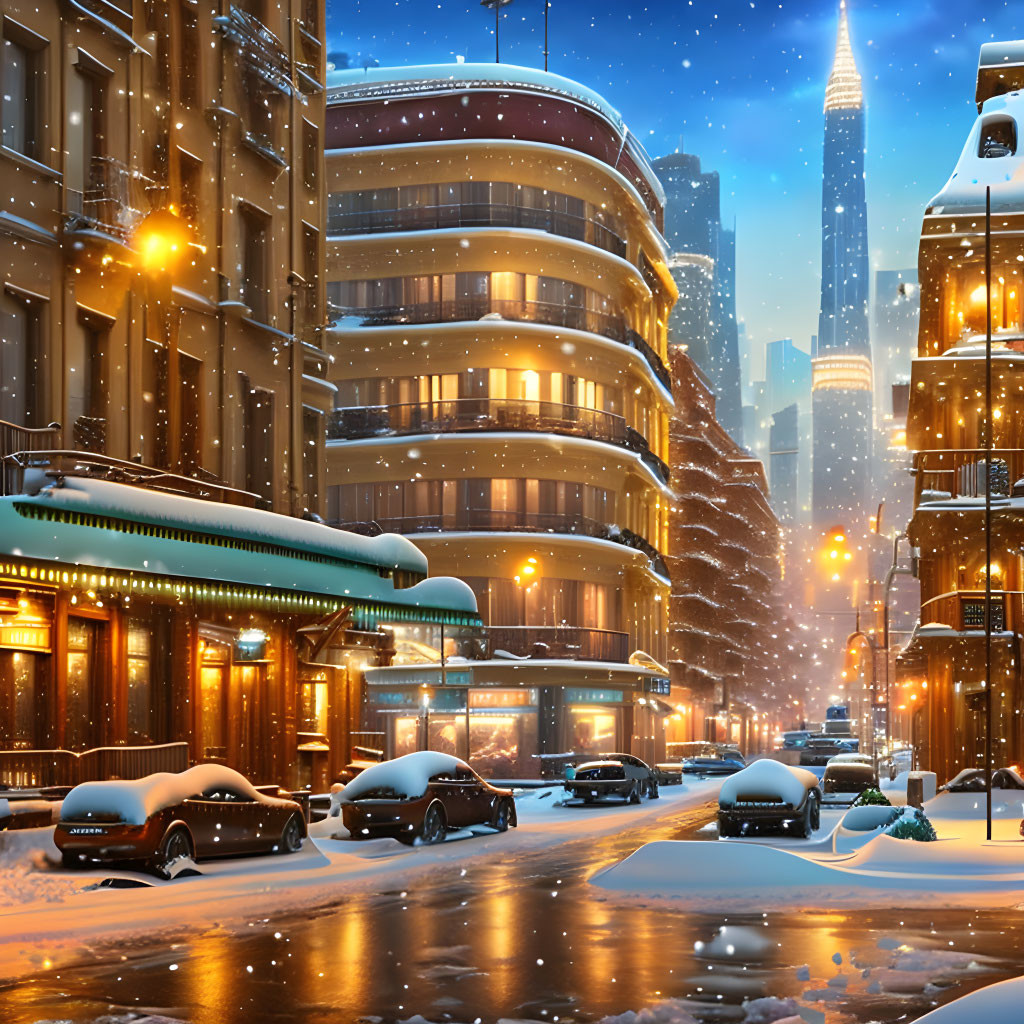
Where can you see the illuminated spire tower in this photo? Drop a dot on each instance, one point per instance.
(842, 387)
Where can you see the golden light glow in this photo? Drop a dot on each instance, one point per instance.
(527, 575)
(161, 240)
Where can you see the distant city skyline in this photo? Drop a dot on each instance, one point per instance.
(742, 85)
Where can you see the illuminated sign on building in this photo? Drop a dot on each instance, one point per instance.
(841, 372)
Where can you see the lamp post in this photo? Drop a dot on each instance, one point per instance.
(547, 5)
(988, 512)
(873, 647)
(497, 5)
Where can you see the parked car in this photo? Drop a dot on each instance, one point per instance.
(669, 773)
(796, 739)
(972, 780)
(820, 749)
(421, 796)
(849, 773)
(727, 764)
(621, 775)
(207, 811)
(769, 794)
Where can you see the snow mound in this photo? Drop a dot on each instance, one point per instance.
(767, 778)
(1007, 805)
(134, 800)
(998, 1004)
(407, 776)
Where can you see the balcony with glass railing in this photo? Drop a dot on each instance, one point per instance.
(554, 314)
(944, 474)
(477, 215)
(459, 415)
(489, 520)
(576, 643)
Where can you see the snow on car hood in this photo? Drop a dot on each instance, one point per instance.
(408, 776)
(768, 778)
(134, 800)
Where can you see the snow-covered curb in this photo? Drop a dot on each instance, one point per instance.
(960, 869)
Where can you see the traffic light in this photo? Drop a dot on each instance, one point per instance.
(836, 553)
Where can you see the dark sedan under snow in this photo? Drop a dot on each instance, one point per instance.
(421, 796)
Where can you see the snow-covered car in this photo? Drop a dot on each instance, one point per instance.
(669, 773)
(849, 773)
(622, 775)
(727, 764)
(796, 739)
(821, 749)
(972, 780)
(421, 796)
(208, 810)
(769, 794)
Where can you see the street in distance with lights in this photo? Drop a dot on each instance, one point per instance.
(511, 511)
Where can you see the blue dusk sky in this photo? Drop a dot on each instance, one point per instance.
(742, 82)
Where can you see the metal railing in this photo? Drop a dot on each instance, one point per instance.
(89, 434)
(554, 314)
(64, 463)
(509, 521)
(471, 215)
(457, 415)
(964, 610)
(576, 643)
(33, 768)
(113, 200)
(15, 438)
(960, 472)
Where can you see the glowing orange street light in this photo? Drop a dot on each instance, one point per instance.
(527, 575)
(161, 240)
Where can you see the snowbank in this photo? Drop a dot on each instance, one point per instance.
(768, 778)
(994, 1004)
(134, 800)
(407, 776)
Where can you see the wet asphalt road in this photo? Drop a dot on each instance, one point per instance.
(527, 938)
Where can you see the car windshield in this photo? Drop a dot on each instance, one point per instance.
(601, 771)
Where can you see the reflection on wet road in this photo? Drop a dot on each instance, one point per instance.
(525, 937)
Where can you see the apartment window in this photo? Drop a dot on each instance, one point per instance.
(190, 371)
(253, 241)
(312, 442)
(311, 154)
(21, 360)
(21, 101)
(190, 171)
(258, 438)
(188, 77)
(258, 114)
(153, 447)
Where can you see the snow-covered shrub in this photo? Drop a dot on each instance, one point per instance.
(915, 826)
(872, 797)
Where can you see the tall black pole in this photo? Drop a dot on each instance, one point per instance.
(988, 512)
(497, 11)
(547, 4)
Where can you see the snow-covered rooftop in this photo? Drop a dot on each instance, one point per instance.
(965, 190)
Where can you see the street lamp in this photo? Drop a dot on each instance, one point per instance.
(497, 5)
(873, 647)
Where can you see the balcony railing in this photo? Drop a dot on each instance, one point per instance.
(112, 202)
(63, 463)
(577, 643)
(491, 414)
(555, 314)
(510, 521)
(15, 438)
(474, 215)
(964, 610)
(960, 472)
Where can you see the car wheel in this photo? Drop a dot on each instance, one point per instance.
(502, 816)
(725, 828)
(652, 790)
(70, 859)
(291, 837)
(433, 828)
(175, 846)
(803, 825)
(816, 816)
(634, 794)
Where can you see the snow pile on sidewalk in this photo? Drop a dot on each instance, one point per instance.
(994, 1004)
(869, 869)
(25, 875)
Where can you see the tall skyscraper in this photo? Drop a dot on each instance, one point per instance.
(842, 388)
(693, 226)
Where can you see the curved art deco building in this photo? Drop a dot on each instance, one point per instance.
(499, 291)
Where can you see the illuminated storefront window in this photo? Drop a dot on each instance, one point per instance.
(140, 687)
(213, 672)
(83, 638)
